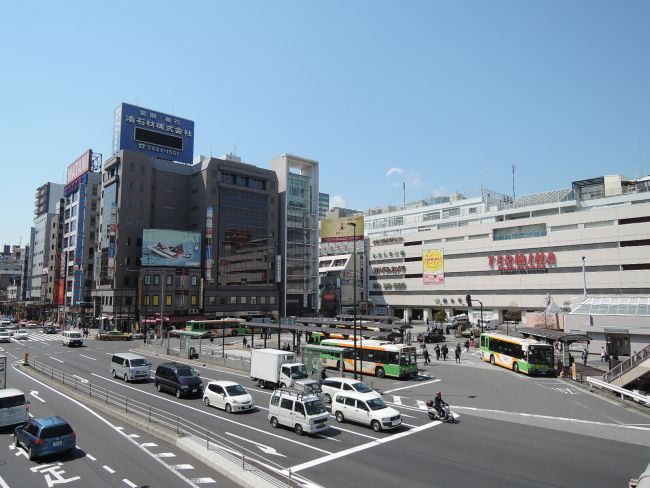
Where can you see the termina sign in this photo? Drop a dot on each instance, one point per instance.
(76, 171)
(155, 134)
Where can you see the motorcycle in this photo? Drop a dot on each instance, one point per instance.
(447, 416)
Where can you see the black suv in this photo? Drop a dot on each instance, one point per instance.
(431, 337)
(180, 379)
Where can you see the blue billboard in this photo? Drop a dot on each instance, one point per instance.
(155, 134)
(163, 247)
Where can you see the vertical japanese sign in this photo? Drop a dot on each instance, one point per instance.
(433, 261)
(112, 233)
(209, 261)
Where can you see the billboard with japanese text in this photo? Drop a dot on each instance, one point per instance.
(341, 230)
(433, 262)
(163, 247)
(153, 133)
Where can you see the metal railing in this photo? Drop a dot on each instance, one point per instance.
(249, 460)
(622, 368)
(644, 399)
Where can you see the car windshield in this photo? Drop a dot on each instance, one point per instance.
(235, 390)
(139, 362)
(315, 407)
(376, 404)
(298, 372)
(22, 331)
(314, 387)
(361, 387)
(184, 372)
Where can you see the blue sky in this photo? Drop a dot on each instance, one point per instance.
(447, 94)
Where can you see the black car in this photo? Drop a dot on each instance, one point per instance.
(431, 337)
(50, 329)
(180, 379)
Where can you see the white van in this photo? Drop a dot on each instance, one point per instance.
(130, 367)
(72, 338)
(365, 409)
(14, 409)
(304, 413)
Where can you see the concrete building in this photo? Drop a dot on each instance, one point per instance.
(232, 205)
(520, 255)
(323, 205)
(299, 208)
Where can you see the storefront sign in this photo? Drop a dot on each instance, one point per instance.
(534, 262)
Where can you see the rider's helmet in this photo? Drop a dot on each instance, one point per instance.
(438, 394)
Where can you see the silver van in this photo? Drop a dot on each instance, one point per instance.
(14, 408)
(304, 413)
(130, 367)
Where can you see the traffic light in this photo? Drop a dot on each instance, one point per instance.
(468, 299)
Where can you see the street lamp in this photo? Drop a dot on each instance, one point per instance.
(354, 291)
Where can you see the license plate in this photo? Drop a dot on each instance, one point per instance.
(57, 443)
(321, 424)
(193, 390)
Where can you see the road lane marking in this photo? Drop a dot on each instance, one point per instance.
(362, 447)
(415, 385)
(203, 480)
(224, 419)
(397, 400)
(149, 444)
(87, 357)
(3, 484)
(183, 466)
(129, 483)
(263, 447)
(55, 359)
(166, 455)
(92, 458)
(109, 469)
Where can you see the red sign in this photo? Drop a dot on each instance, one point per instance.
(532, 261)
(80, 166)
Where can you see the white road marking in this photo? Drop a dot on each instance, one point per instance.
(183, 466)
(166, 455)
(134, 436)
(92, 458)
(414, 385)
(3, 484)
(55, 359)
(203, 480)
(397, 400)
(129, 483)
(409, 416)
(107, 468)
(149, 444)
(362, 447)
(264, 448)
(88, 357)
(422, 405)
(82, 380)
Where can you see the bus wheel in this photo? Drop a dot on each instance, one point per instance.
(515, 367)
(492, 359)
(379, 372)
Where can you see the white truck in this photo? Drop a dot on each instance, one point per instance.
(272, 367)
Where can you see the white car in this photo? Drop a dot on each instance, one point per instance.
(21, 334)
(228, 395)
(334, 385)
(357, 407)
(5, 336)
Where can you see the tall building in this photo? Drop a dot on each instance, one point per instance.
(45, 209)
(323, 205)
(298, 188)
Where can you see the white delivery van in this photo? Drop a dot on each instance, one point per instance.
(72, 338)
(365, 408)
(14, 409)
(130, 367)
(304, 413)
(275, 367)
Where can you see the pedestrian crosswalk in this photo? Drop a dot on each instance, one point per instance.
(41, 337)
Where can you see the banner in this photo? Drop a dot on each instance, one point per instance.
(433, 261)
(339, 230)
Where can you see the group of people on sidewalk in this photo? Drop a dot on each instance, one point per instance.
(444, 351)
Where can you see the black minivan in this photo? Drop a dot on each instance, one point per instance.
(180, 379)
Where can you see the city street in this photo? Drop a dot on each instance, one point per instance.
(514, 430)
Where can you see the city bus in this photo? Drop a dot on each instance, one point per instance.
(379, 358)
(520, 355)
(217, 327)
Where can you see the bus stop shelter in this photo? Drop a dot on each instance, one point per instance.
(559, 338)
(312, 358)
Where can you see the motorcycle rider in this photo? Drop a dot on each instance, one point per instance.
(438, 404)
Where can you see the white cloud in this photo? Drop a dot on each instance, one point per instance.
(415, 182)
(394, 171)
(338, 201)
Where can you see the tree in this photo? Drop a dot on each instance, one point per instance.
(513, 314)
(440, 316)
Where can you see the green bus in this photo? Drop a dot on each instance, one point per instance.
(379, 358)
(520, 355)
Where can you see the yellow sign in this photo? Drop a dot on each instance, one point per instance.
(433, 261)
(340, 230)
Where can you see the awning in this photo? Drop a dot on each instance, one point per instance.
(553, 335)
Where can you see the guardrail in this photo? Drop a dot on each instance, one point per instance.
(622, 368)
(250, 460)
(644, 399)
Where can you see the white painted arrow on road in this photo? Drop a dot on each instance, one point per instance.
(262, 447)
(34, 393)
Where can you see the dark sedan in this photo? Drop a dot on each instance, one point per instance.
(431, 337)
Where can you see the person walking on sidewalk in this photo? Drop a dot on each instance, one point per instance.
(437, 351)
(445, 351)
(457, 353)
(425, 355)
(584, 355)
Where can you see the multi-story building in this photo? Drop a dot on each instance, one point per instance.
(298, 188)
(11, 270)
(323, 204)
(548, 247)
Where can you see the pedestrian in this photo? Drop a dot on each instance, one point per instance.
(244, 341)
(471, 343)
(571, 360)
(211, 339)
(425, 355)
(603, 354)
(457, 353)
(445, 351)
(437, 351)
(467, 345)
(584, 355)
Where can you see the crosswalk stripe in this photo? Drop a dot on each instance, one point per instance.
(397, 399)
(422, 405)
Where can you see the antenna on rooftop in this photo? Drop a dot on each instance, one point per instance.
(514, 167)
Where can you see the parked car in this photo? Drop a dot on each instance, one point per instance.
(50, 329)
(431, 337)
(334, 385)
(357, 407)
(179, 379)
(228, 395)
(21, 334)
(114, 335)
(45, 436)
(5, 336)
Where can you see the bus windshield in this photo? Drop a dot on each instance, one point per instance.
(540, 355)
(407, 357)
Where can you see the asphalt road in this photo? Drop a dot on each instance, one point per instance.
(514, 430)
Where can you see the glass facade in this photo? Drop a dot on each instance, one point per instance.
(301, 221)
(245, 253)
(110, 198)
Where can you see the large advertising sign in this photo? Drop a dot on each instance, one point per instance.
(340, 230)
(76, 172)
(433, 261)
(162, 247)
(155, 134)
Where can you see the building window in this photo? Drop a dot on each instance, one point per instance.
(233, 300)
(155, 299)
(156, 280)
(193, 300)
(147, 279)
(195, 280)
(168, 280)
(168, 300)
(147, 300)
